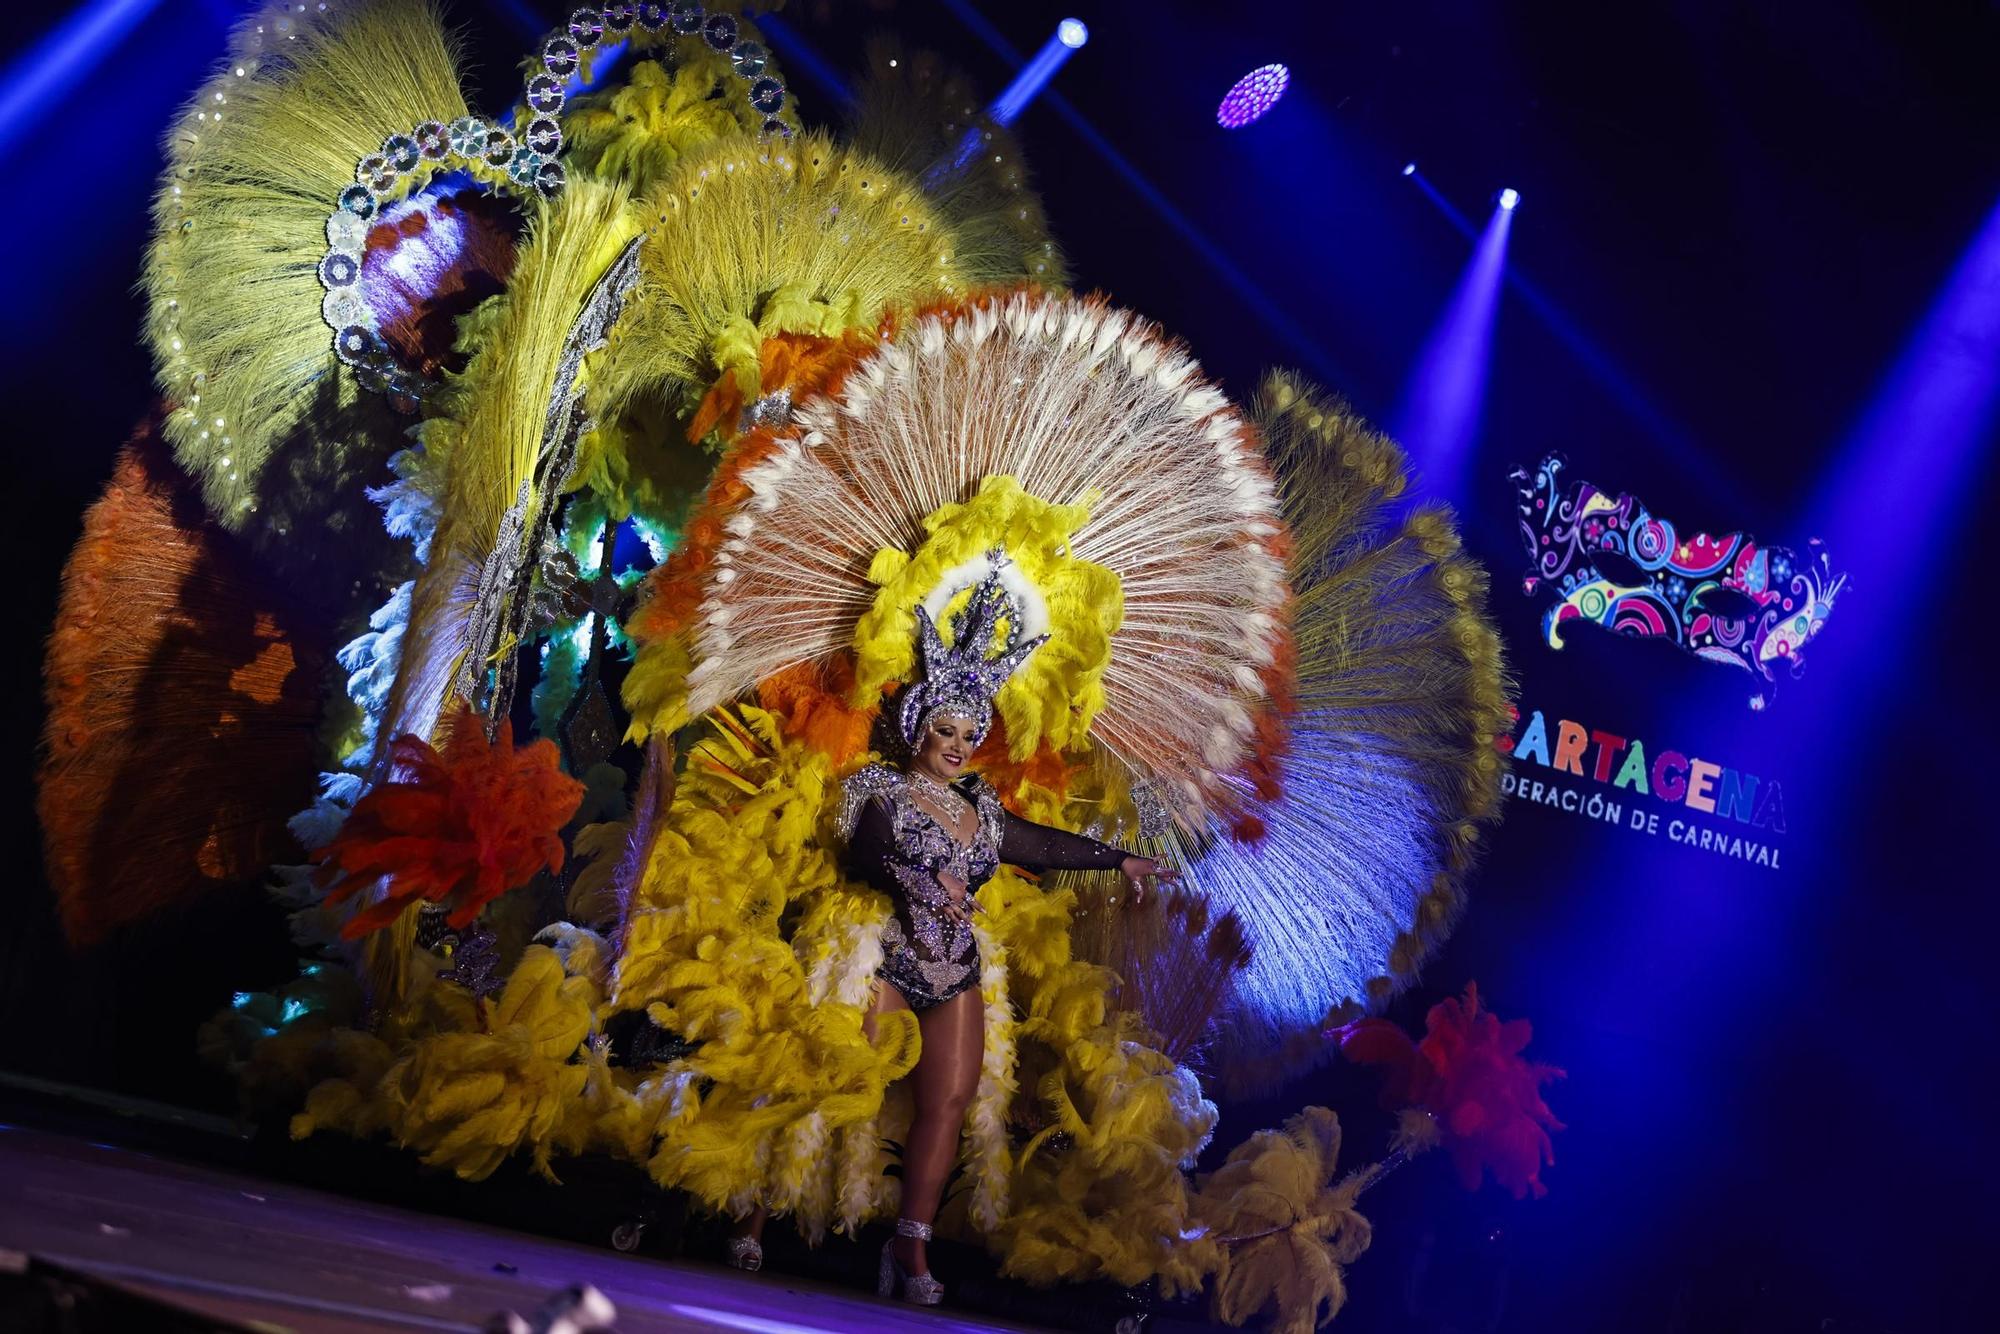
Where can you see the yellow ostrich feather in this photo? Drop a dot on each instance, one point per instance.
(255, 163)
(918, 115)
(705, 956)
(489, 1085)
(1278, 1231)
(1112, 1200)
(638, 130)
(748, 238)
(486, 442)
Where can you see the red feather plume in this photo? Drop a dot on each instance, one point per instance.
(1468, 1072)
(461, 826)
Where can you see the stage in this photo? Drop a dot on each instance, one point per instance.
(274, 1256)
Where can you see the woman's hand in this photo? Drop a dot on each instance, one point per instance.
(1138, 870)
(956, 903)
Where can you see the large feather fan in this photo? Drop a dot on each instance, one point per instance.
(280, 436)
(255, 164)
(1081, 405)
(1361, 853)
(183, 703)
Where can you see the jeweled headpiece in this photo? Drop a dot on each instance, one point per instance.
(959, 679)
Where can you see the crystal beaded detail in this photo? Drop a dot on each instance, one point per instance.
(930, 953)
(960, 680)
(406, 162)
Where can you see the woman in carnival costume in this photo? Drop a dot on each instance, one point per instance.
(928, 835)
(836, 385)
(1190, 606)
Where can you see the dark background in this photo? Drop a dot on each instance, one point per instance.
(1737, 217)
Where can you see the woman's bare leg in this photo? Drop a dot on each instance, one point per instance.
(946, 1077)
(887, 1000)
(751, 1225)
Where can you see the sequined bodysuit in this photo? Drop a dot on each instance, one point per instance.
(894, 844)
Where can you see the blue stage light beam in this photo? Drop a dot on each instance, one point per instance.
(1690, 453)
(1304, 343)
(798, 54)
(1913, 457)
(1070, 35)
(1035, 75)
(1439, 415)
(36, 78)
(1431, 192)
(1889, 510)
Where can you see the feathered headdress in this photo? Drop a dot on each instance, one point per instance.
(960, 680)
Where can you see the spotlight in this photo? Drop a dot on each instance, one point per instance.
(1409, 168)
(1509, 198)
(1034, 76)
(1437, 420)
(1254, 94)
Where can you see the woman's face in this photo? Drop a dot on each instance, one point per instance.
(945, 746)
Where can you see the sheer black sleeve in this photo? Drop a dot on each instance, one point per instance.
(1041, 848)
(872, 845)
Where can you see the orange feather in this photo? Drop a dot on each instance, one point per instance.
(183, 697)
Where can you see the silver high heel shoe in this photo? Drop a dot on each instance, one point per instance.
(745, 1253)
(897, 1281)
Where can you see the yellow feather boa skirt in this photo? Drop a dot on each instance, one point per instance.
(744, 939)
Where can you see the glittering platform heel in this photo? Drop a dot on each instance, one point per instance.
(920, 1289)
(745, 1253)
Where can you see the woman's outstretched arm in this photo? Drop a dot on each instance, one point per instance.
(1040, 847)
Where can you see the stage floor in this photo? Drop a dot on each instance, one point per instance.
(255, 1251)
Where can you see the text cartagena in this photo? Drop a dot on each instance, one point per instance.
(1670, 776)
